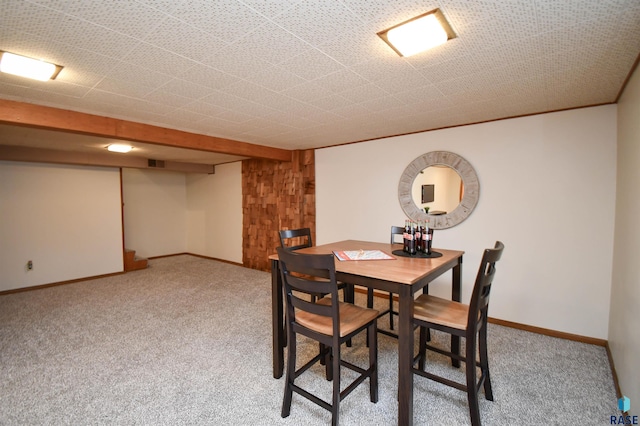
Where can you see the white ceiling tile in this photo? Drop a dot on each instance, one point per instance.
(158, 60)
(270, 8)
(340, 81)
(312, 64)
(124, 16)
(227, 20)
(328, 103)
(275, 79)
(270, 43)
(207, 76)
(37, 20)
(457, 67)
(354, 46)
(169, 101)
(145, 77)
(203, 109)
(308, 91)
(378, 69)
(94, 38)
(363, 93)
(233, 60)
(184, 40)
(425, 93)
(382, 14)
(124, 88)
(186, 89)
(302, 72)
(166, 6)
(317, 22)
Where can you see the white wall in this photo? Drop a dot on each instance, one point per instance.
(547, 190)
(155, 211)
(624, 337)
(214, 213)
(65, 219)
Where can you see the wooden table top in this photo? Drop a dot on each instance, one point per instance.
(404, 270)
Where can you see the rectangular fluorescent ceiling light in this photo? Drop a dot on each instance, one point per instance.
(418, 34)
(22, 66)
(119, 147)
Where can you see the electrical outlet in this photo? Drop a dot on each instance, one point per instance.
(29, 265)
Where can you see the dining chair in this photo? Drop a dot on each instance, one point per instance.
(329, 322)
(296, 239)
(395, 230)
(467, 321)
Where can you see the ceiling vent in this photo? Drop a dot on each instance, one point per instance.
(157, 164)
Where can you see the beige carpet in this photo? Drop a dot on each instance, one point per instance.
(188, 342)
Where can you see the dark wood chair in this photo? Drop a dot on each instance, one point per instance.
(328, 321)
(468, 321)
(395, 230)
(295, 239)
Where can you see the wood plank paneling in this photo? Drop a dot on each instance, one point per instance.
(275, 195)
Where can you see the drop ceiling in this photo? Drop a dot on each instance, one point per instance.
(298, 74)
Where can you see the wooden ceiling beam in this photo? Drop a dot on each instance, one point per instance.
(31, 115)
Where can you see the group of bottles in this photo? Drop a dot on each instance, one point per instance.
(417, 237)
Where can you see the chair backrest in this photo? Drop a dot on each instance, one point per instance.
(479, 305)
(294, 239)
(309, 274)
(396, 230)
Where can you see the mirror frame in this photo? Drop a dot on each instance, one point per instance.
(471, 186)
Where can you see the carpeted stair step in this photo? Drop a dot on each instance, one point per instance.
(133, 262)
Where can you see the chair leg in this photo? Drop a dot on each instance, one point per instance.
(349, 293)
(484, 363)
(328, 363)
(391, 311)
(425, 290)
(422, 348)
(349, 296)
(290, 376)
(472, 390)
(335, 406)
(370, 306)
(372, 333)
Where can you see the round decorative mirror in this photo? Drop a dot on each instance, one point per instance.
(440, 187)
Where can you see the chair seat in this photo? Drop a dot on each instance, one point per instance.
(441, 311)
(352, 317)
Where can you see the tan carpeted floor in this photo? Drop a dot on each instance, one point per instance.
(188, 342)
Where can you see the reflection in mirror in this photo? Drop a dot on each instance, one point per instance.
(442, 187)
(410, 193)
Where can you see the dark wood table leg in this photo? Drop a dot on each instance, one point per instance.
(456, 295)
(405, 356)
(277, 319)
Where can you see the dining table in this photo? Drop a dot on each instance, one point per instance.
(401, 275)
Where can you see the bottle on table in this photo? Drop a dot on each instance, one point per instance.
(429, 240)
(412, 238)
(419, 246)
(405, 237)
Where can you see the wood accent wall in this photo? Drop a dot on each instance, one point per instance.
(275, 195)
